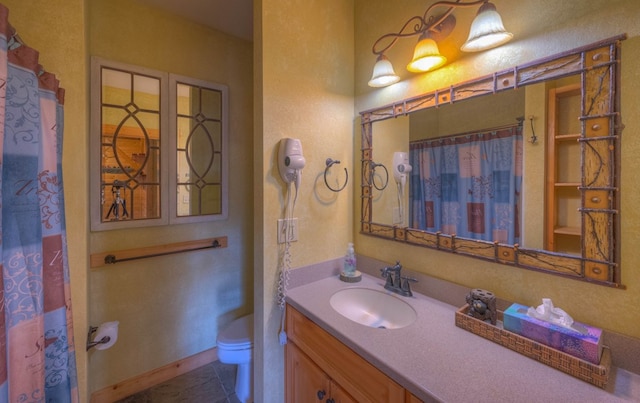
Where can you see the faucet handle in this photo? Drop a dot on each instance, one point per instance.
(405, 286)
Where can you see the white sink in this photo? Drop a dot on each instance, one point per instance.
(373, 308)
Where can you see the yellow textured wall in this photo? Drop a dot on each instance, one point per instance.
(172, 307)
(57, 30)
(539, 31)
(304, 67)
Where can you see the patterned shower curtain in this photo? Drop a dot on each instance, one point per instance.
(37, 357)
(468, 185)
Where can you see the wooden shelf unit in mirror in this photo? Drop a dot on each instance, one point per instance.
(563, 227)
(588, 188)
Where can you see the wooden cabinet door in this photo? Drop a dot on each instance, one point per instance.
(411, 398)
(339, 395)
(305, 381)
(363, 381)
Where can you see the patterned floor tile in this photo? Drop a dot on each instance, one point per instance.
(212, 383)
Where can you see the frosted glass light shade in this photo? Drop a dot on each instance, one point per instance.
(487, 30)
(383, 73)
(426, 56)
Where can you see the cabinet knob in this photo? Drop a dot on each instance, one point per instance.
(321, 394)
(331, 401)
(595, 199)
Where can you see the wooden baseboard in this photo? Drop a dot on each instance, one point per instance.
(144, 381)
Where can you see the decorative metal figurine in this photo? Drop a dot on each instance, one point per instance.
(482, 305)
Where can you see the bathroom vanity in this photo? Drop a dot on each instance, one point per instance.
(330, 358)
(320, 365)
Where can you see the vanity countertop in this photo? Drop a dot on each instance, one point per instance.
(436, 360)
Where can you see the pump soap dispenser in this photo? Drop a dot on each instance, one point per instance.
(350, 274)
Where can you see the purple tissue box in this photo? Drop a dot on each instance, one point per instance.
(581, 341)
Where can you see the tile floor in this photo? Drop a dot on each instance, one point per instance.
(212, 383)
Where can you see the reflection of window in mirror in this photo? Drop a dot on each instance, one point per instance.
(159, 147)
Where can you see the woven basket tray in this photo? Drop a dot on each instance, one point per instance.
(595, 374)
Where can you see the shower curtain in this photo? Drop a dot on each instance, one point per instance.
(37, 357)
(468, 185)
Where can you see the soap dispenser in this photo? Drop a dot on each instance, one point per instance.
(349, 273)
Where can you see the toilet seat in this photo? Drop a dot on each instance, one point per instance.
(238, 335)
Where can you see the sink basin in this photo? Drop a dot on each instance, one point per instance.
(373, 308)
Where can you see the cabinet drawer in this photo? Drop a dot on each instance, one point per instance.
(353, 373)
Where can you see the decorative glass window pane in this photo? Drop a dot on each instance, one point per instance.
(130, 179)
(200, 155)
(128, 125)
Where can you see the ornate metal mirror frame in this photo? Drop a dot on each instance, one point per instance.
(598, 66)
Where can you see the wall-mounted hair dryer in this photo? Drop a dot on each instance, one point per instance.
(401, 170)
(401, 167)
(290, 160)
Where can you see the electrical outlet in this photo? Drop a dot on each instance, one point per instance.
(287, 230)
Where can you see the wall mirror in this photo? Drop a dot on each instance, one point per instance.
(567, 175)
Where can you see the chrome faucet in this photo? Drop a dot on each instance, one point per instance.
(396, 282)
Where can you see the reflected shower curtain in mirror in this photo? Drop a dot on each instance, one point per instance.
(37, 358)
(468, 185)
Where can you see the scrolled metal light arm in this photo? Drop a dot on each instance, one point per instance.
(422, 24)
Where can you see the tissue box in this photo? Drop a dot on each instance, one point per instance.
(582, 341)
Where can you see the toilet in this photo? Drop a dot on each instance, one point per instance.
(235, 346)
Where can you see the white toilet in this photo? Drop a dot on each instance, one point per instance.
(235, 346)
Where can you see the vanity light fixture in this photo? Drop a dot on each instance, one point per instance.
(383, 73)
(426, 56)
(487, 31)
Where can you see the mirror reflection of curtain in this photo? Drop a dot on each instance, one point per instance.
(37, 358)
(468, 185)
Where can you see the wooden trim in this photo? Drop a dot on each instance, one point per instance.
(154, 377)
(99, 259)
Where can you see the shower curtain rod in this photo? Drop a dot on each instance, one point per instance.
(519, 119)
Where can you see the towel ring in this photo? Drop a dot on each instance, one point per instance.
(329, 163)
(373, 167)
